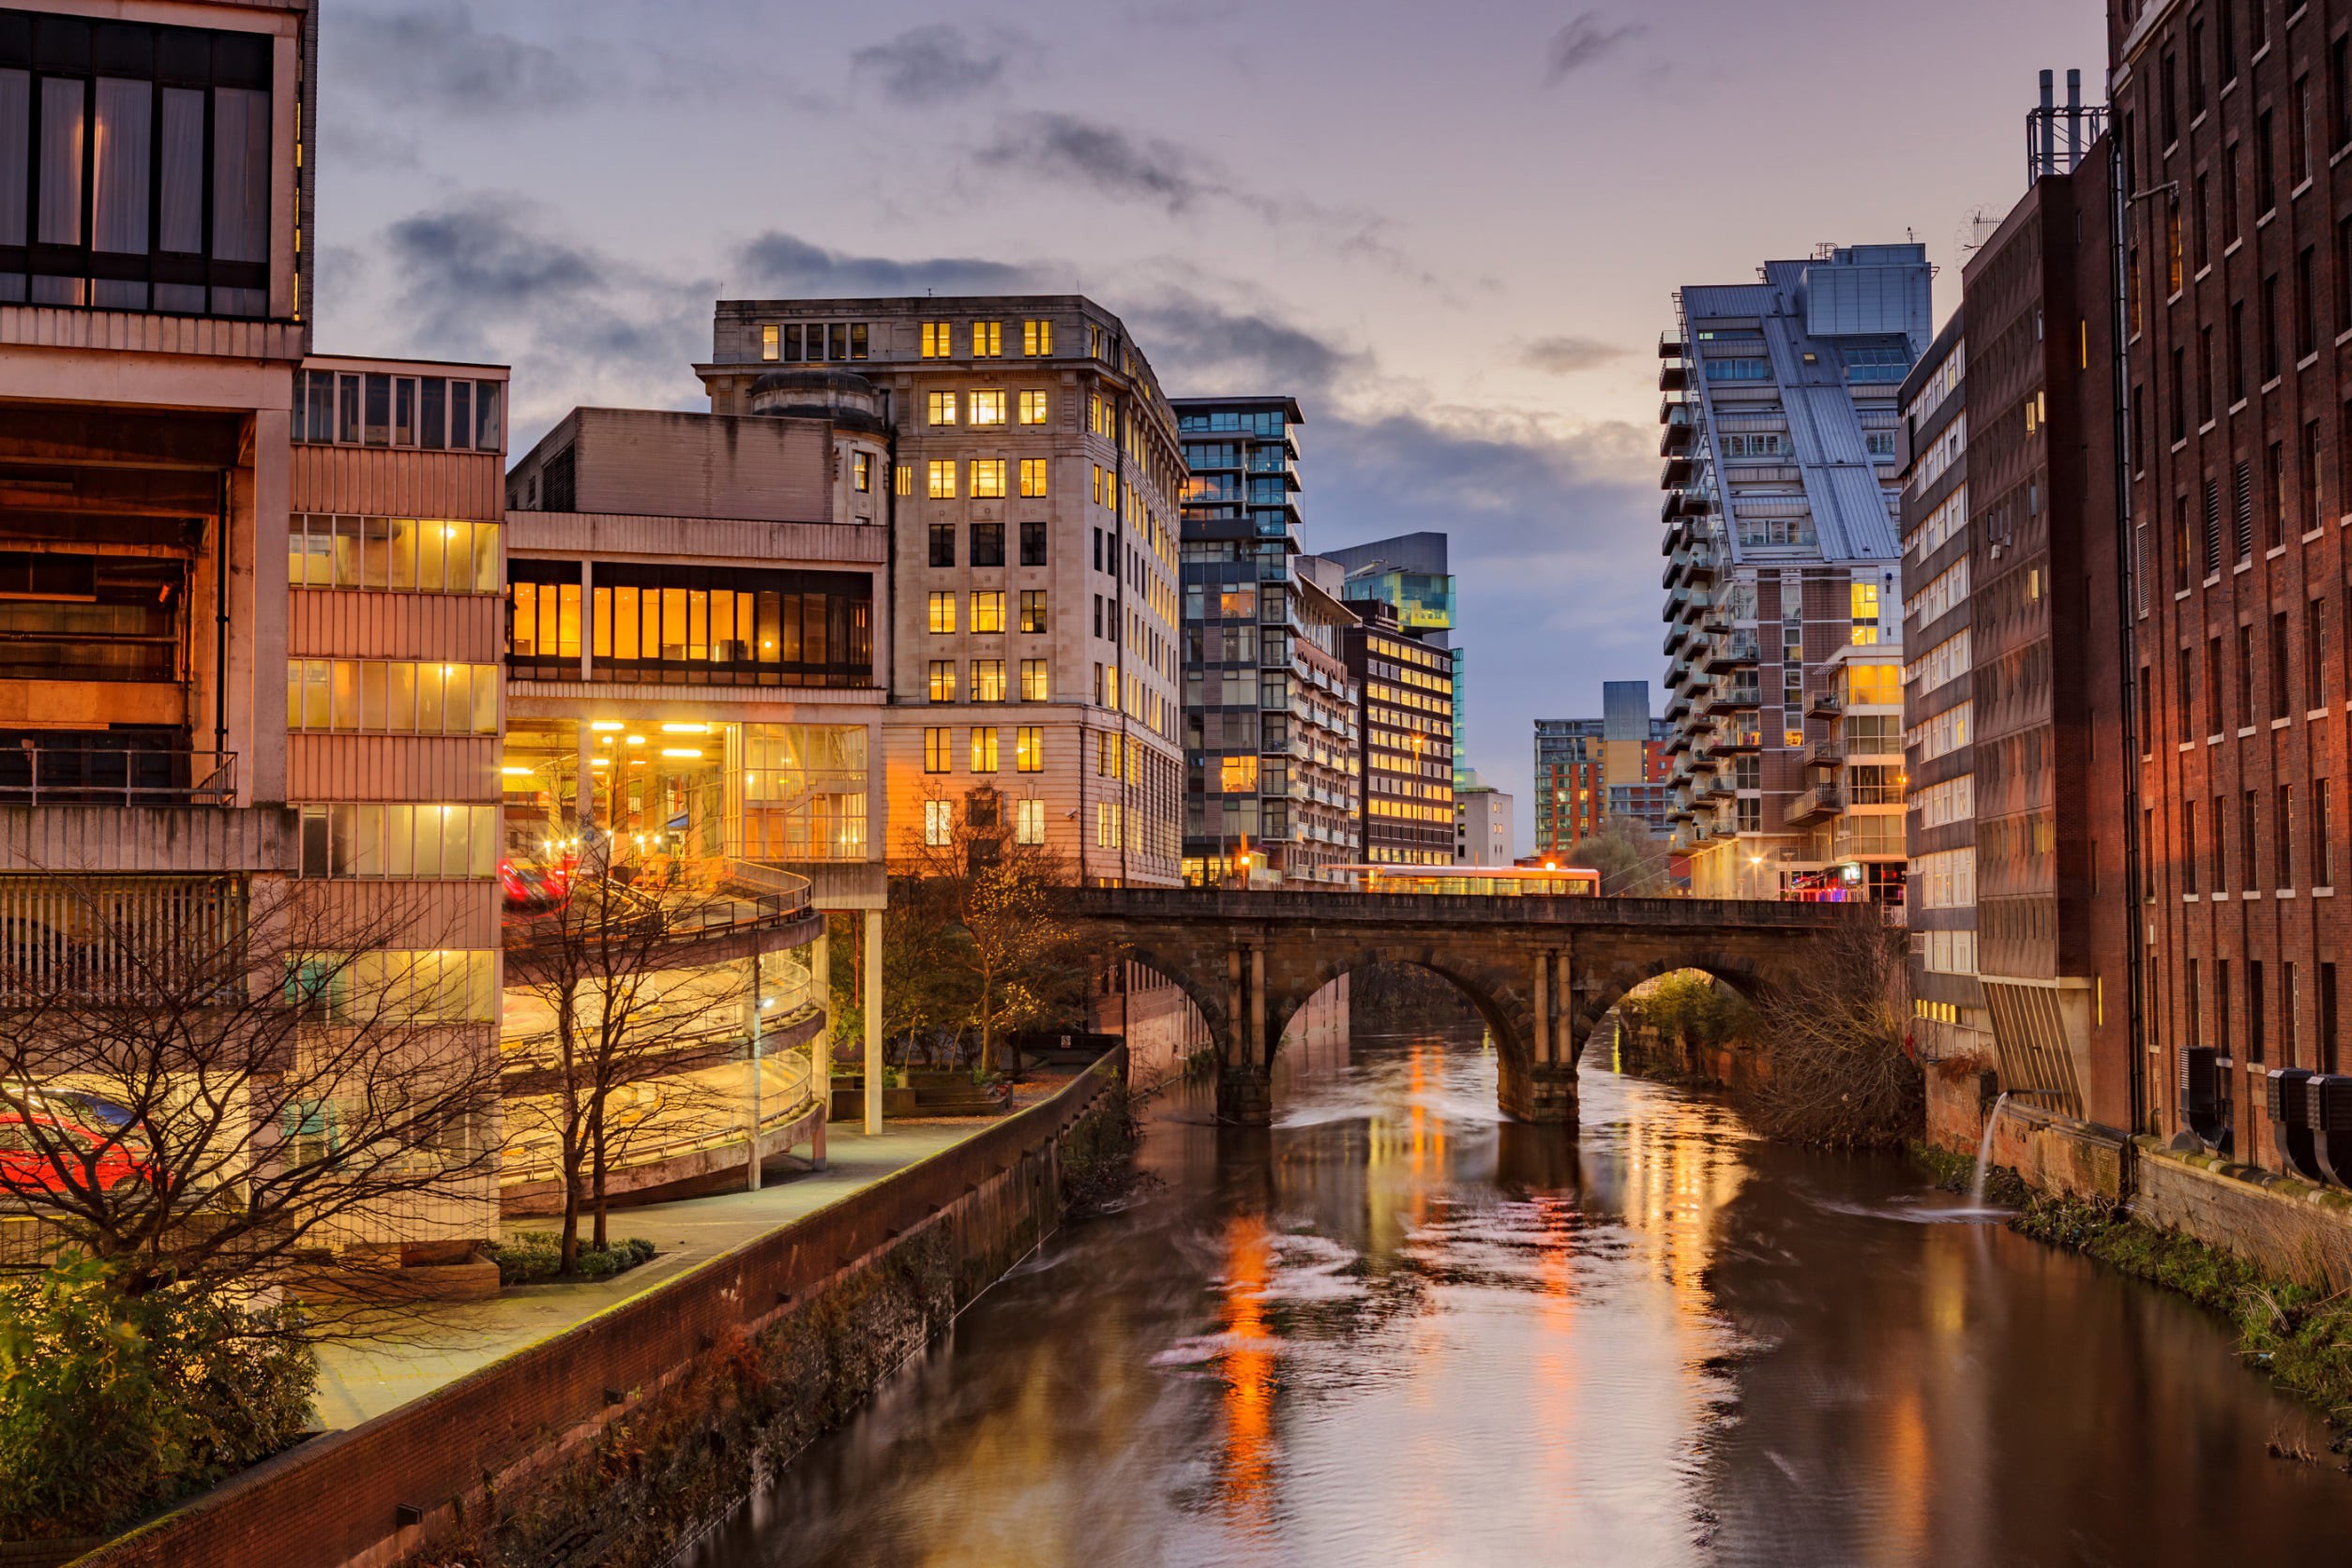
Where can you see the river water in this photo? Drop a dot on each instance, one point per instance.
(1400, 1330)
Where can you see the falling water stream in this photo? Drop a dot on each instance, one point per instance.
(1398, 1330)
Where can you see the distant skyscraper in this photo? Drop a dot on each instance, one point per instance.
(1590, 769)
(1408, 573)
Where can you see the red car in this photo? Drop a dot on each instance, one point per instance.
(25, 1164)
(533, 888)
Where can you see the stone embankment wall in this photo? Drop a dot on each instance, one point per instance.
(618, 1439)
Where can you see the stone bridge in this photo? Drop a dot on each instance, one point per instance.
(1540, 972)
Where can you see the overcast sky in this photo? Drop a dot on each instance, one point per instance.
(1452, 231)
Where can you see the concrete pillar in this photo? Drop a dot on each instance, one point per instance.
(1245, 1080)
(821, 1051)
(752, 1177)
(873, 920)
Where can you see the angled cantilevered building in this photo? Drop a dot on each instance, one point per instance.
(1780, 435)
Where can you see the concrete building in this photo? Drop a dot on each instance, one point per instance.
(1588, 770)
(2235, 301)
(1409, 574)
(1483, 826)
(1779, 429)
(1407, 710)
(1940, 748)
(1028, 475)
(1273, 754)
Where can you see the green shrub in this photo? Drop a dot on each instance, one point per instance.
(112, 1407)
(530, 1257)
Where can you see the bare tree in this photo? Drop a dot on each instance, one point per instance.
(627, 1001)
(1833, 1036)
(1016, 961)
(1632, 860)
(214, 1083)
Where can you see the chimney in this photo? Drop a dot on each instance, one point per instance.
(2073, 119)
(2047, 163)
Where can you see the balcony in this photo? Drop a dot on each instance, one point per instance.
(1729, 653)
(1817, 803)
(1731, 698)
(1674, 434)
(1676, 634)
(1674, 371)
(1677, 473)
(1825, 704)
(1740, 737)
(1678, 707)
(1825, 754)
(1704, 564)
(50, 771)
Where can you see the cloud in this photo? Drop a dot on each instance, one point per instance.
(781, 263)
(1064, 146)
(432, 54)
(1202, 348)
(1585, 39)
(1566, 356)
(936, 64)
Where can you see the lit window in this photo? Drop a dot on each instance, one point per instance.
(984, 751)
(988, 478)
(1035, 685)
(987, 340)
(943, 612)
(1029, 748)
(770, 348)
(1033, 407)
(906, 478)
(942, 406)
(1033, 610)
(1033, 476)
(1036, 339)
(942, 473)
(943, 680)
(936, 744)
(1865, 636)
(987, 408)
(1029, 822)
(988, 610)
(1238, 776)
(1865, 597)
(1107, 824)
(987, 680)
(935, 343)
(939, 824)
(862, 471)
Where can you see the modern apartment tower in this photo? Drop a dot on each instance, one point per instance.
(1029, 478)
(1588, 770)
(2231, 130)
(1273, 754)
(1779, 431)
(1407, 683)
(1409, 574)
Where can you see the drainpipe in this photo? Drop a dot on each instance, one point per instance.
(220, 625)
(2127, 583)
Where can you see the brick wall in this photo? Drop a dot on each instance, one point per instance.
(2280, 1225)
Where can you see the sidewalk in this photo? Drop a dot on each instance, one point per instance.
(357, 1380)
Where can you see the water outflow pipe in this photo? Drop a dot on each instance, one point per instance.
(1984, 1148)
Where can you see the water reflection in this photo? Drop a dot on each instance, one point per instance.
(1394, 1329)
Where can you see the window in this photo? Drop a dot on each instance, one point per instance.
(1237, 775)
(415, 842)
(400, 554)
(943, 609)
(433, 412)
(2299, 130)
(942, 544)
(988, 610)
(2269, 327)
(2173, 269)
(2306, 303)
(1107, 824)
(2249, 843)
(2279, 692)
(1037, 685)
(1037, 338)
(2307, 511)
(988, 481)
(1033, 610)
(1029, 748)
(938, 750)
(2282, 835)
(2266, 165)
(707, 626)
(984, 751)
(2188, 846)
(1032, 543)
(939, 824)
(987, 544)
(1033, 406)
(987, 408)
(2315, 654)
(395, 697)
(987, 680)
(106, 171)
(2322, 849)
(903, 481)
(936, 344)
(943, 680)
(987, 341)
(1029, 822)
(2236, 363)
(940, 408)
(862, 472)
(942, 473)
(2219, 826)
(1033, 476)
(544, 620)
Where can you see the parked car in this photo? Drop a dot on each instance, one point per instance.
(533, 888)
(24, 1161)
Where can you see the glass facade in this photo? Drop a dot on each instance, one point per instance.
(690, 625)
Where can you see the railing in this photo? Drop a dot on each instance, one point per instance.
(713, 899)
(787, 1089)
(97, 774)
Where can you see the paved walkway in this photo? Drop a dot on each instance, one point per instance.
(357, 1380)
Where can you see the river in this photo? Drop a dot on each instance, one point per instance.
(1401, 1330)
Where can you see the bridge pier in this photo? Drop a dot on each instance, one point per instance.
(1543, 1088)
(1541, 1092)
(1245, 1096)
(1245, 1066)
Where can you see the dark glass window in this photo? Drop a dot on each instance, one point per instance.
(1033, 544)
(987, 544)
(942, 544)
(134, 166)
(710, 625)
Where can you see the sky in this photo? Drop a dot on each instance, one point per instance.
(1452, 232)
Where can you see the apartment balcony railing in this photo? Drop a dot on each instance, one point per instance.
(48, 774)
(1740, 737)
(1728, 652)
(1676, 634)
(1826, 754)
(1674, 434)
(1730, 698)
(1823, 800)
(1825, 704)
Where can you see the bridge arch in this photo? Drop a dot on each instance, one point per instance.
(1486, 992)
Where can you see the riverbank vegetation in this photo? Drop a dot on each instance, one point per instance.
(1837, 1074)
(535, 1257)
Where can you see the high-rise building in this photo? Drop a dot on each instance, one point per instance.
(1483, 827)
(1780, 431)
(1409, 574)
(1408, 726)
(1588, 770)
(1273, 754)
(1031, 500)
(2230, 128)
